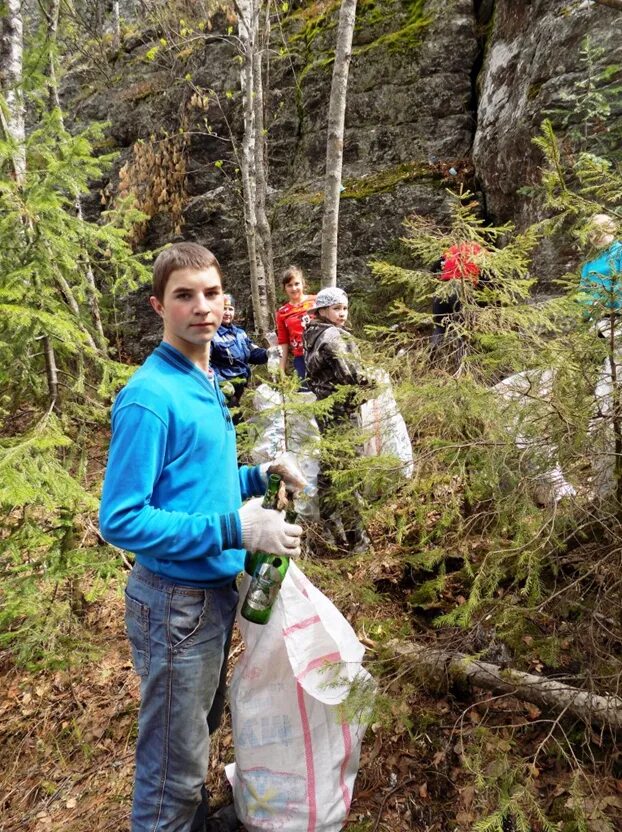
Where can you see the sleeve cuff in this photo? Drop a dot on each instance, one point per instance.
(231, 531)
(258, 479)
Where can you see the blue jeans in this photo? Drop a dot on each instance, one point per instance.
(299, 366)
(180, 639)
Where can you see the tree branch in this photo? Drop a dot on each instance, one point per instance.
(590, 707)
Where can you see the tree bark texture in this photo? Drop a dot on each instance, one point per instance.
(334, 142)
(265, 233)
(51, 372)
(11, 58)
(248, 26)
(548, 693)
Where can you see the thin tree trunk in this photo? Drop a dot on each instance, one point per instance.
(14, 126)
(261, 158)
(11, 60)
(72, 303)
(557, 696)
(116, 25)
(334, 142)
(248, 27)
(92, 296)
(51, 372)
(616, 411)
(263, 226)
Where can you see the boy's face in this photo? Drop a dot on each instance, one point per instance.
(192, 309)
(337, 314)
(228, 314)
(294, 289)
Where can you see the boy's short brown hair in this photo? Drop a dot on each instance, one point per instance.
(180, 256)
(291, 273)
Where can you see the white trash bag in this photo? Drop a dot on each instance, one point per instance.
(527, 389)
(296, 751)
(293, 434)
(385, 427)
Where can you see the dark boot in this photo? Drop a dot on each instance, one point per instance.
(360, 542)
(223, 820)
(334, 533)
(200, 816)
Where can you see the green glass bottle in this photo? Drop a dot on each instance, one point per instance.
(268, 575)
(270, 500)
(264, 588)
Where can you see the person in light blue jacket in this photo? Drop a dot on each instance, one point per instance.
(232, 354)
(173, 495)
(600, 287)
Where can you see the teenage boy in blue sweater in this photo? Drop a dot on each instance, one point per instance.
(173, 496)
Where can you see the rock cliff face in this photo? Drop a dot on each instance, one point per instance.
(434, 84)
(532, 63)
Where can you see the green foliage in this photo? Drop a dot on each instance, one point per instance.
(59, 274)
(480, 454)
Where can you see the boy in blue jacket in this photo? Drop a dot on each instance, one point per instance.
(232, 354)
(173, 496)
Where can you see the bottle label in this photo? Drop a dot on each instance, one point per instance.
(264, 588)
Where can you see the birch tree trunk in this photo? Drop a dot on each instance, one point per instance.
(11, 61)
(261, 164)
(334, 142)
(442, 664)
(14, 126)
(248, 18)
(116, 25)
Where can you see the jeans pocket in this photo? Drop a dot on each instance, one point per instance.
(188, 614)
(137, 625)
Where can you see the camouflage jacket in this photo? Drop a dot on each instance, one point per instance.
(331, 358)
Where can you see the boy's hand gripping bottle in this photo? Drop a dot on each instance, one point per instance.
(267, 570)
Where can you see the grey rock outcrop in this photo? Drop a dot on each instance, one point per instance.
(531, 68)
(433, 85)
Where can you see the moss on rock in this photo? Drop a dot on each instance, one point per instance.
(365, 186)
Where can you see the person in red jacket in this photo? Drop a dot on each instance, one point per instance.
(290, 319)
(459, 262)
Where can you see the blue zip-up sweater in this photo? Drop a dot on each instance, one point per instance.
(600, 287)
(232, 352)
(173, 488)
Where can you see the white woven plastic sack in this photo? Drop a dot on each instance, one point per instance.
(601, 425)
(296, 753)
(385, 428)
(298, 436)
(528, 388)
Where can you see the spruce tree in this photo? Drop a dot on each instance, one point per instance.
(56, 378)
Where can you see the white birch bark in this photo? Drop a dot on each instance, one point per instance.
(248, 18)
(263, 226)
(11, 61)
(116, 25)
(603, 709)
(261, 156)
(14, 126)
(334, 142)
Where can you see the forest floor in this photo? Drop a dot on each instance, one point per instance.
(68, 735)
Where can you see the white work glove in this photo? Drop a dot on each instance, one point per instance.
(265, 530)
(288, 469)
